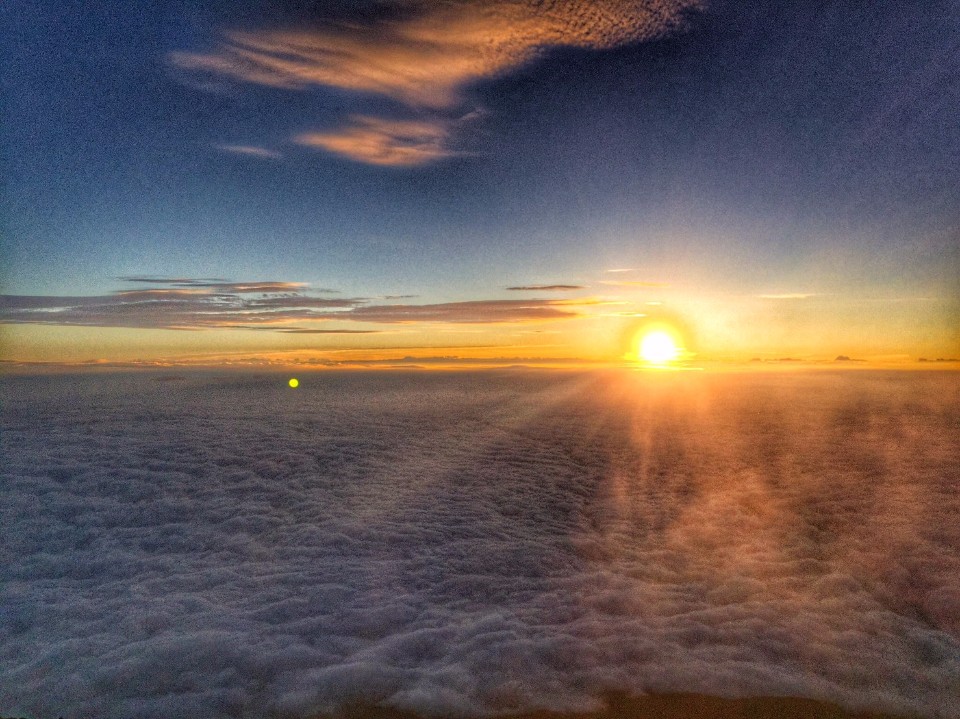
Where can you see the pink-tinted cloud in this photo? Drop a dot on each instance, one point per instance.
(384, 142)
(424, 57)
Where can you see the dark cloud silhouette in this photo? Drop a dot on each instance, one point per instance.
(467, 543)
(204, 304)
(561, 288)
(478, 311)
(225, 285)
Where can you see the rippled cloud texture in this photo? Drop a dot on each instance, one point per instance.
(423, 56)
(224, 546)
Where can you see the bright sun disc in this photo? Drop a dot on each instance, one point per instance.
(294, 382)
(658, 347)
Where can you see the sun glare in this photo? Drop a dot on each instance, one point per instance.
(658, 348)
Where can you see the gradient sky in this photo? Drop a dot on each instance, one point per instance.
(508, 179)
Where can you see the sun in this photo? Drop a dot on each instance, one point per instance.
(658, 347)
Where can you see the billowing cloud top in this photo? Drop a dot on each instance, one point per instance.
(213, 303)
(424, 58)
(477, 544)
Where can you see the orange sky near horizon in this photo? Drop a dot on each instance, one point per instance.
(710, 328)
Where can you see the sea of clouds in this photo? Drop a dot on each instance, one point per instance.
(217, 544)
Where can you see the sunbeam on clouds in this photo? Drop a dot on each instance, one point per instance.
(462, 544)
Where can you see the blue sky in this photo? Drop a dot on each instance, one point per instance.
(721, 149)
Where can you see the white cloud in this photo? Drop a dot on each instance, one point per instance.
(250, 151)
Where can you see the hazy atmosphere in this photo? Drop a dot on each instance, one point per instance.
(457, 359)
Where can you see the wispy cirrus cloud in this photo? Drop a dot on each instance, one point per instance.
(477, 311)
(788, 296)
(250, 151)
(377, 141)
(217, 283)
(195, 304)
(633, 283)
(424, 57)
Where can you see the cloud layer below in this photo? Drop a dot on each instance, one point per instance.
(468, 543)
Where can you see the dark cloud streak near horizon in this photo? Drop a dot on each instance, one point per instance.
(208, 304)
(539, 288)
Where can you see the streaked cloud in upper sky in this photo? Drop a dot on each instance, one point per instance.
(384, 142)
(423, 58)
(251, 151)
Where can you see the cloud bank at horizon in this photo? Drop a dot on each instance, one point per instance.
(193, 304)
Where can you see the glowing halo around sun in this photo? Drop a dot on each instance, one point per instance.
(658, 346)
